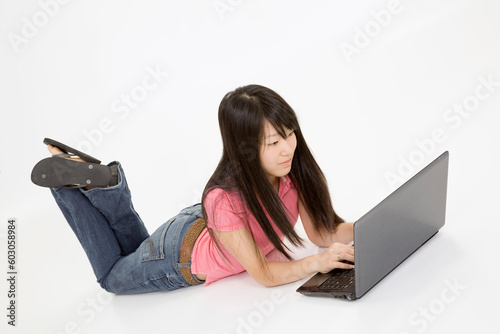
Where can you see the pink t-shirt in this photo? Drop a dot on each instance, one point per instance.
(227, 212)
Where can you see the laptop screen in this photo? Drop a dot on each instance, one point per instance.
(400, 224)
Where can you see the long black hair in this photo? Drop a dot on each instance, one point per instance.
(242, 116)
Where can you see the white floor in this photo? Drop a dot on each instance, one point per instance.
(381, 88)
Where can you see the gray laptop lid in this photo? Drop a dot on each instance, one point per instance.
(400, 224)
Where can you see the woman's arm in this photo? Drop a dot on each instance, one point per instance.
(241, 245)
(344, 233)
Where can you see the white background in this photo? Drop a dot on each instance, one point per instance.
(369, 116)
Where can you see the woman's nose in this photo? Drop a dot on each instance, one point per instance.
(287, 148)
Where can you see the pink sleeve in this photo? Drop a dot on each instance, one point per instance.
(221, 213)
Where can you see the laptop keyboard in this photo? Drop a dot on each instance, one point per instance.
(341, 279)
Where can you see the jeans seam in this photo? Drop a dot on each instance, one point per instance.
(129, 289)
(174, 248)
(162, 239)
(150, 280)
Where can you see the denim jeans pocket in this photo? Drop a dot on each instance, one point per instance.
(153, 247)
(160, 267)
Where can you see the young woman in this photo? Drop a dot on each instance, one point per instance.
(265, 179)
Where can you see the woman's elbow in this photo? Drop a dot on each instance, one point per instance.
(266, 279)
(265, 282)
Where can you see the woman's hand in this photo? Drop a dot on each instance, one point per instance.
(333, 256)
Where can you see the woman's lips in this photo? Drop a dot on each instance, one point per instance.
(286, 163)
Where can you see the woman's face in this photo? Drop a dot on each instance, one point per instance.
(276, 153)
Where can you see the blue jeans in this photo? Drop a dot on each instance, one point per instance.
(124, 257)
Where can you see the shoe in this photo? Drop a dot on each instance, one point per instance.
(57, 171)
(71, 151)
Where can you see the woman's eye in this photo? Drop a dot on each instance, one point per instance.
(273, 143)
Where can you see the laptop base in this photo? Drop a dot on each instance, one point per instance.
(317, 285)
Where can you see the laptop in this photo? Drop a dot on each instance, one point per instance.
(389, 233)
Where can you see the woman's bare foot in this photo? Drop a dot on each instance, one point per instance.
(55, 151)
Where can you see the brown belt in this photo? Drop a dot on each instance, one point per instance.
(187, 248)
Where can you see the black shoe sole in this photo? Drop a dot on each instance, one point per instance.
(59, 172)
